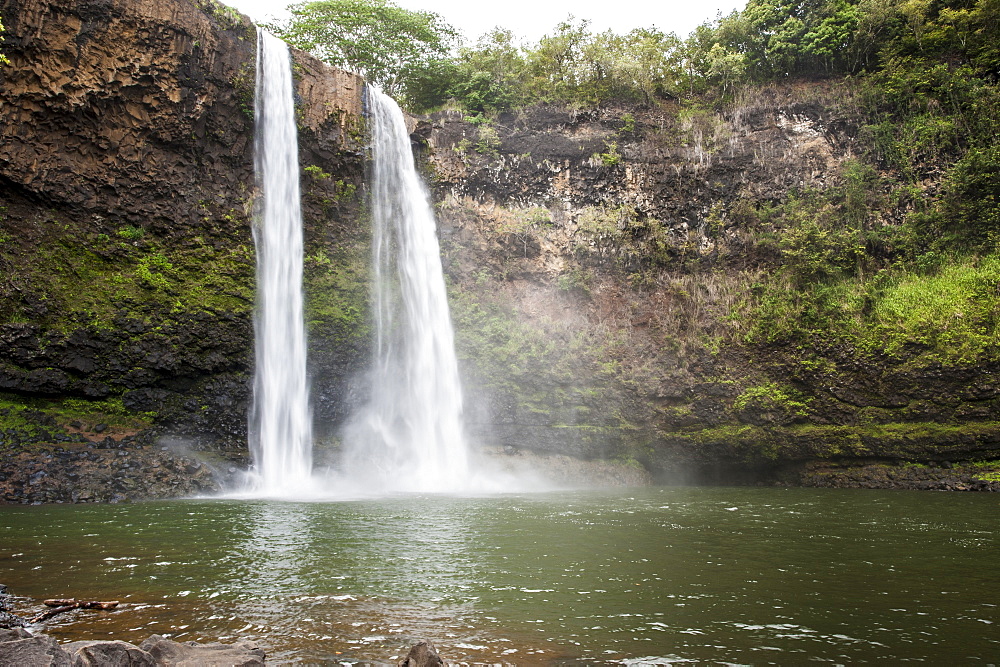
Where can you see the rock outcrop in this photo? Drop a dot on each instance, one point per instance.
(422, 654)
(19, 647)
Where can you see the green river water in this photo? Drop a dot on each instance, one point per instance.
(664, 574)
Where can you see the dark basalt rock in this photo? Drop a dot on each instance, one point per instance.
(19, 647)
(128, 139)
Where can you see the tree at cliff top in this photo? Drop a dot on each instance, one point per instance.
(568, 65)
(783, 38)
(769, 40)
(386, 44)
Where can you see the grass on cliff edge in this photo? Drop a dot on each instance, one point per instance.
(948, 314)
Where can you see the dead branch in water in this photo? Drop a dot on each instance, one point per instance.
(64, 605)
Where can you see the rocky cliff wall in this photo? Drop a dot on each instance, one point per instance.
(126, 205)
(611, 271)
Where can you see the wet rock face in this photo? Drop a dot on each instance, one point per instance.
(884, 475)
(127, 108)
(128, 139)
(105, 473)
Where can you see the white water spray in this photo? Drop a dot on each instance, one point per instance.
(280, 424)
(410, 436)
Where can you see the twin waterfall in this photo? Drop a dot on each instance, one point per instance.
(409, 435)
(280, 425)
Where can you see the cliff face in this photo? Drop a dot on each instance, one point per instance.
(126, 200)
(612, 271)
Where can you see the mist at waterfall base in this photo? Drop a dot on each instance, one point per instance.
(408, 437)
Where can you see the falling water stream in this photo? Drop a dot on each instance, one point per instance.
(280, 423)
(409, 434)
(409, 437)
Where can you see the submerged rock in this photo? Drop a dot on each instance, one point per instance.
(192, 654)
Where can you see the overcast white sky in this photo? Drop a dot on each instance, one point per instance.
(532, 19)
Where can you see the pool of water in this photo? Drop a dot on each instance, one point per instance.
(666, 574)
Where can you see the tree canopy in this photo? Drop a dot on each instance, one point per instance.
(938, 55)
(388, 45)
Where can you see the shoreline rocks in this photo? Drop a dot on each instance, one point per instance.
(905, 476)
(101, 472)
(117, 472)
(20, 647)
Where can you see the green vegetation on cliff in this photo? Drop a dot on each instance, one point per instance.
(793, 231)
(97, 274)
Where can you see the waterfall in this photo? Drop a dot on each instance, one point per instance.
(280, 422)
(409, 437)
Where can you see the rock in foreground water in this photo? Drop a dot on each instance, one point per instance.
(192, 654)
(422, 655)
(19, 647)
(108, 654)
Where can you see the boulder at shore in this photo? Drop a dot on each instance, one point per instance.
(20, 647)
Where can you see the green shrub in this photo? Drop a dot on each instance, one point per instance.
(131, 233)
